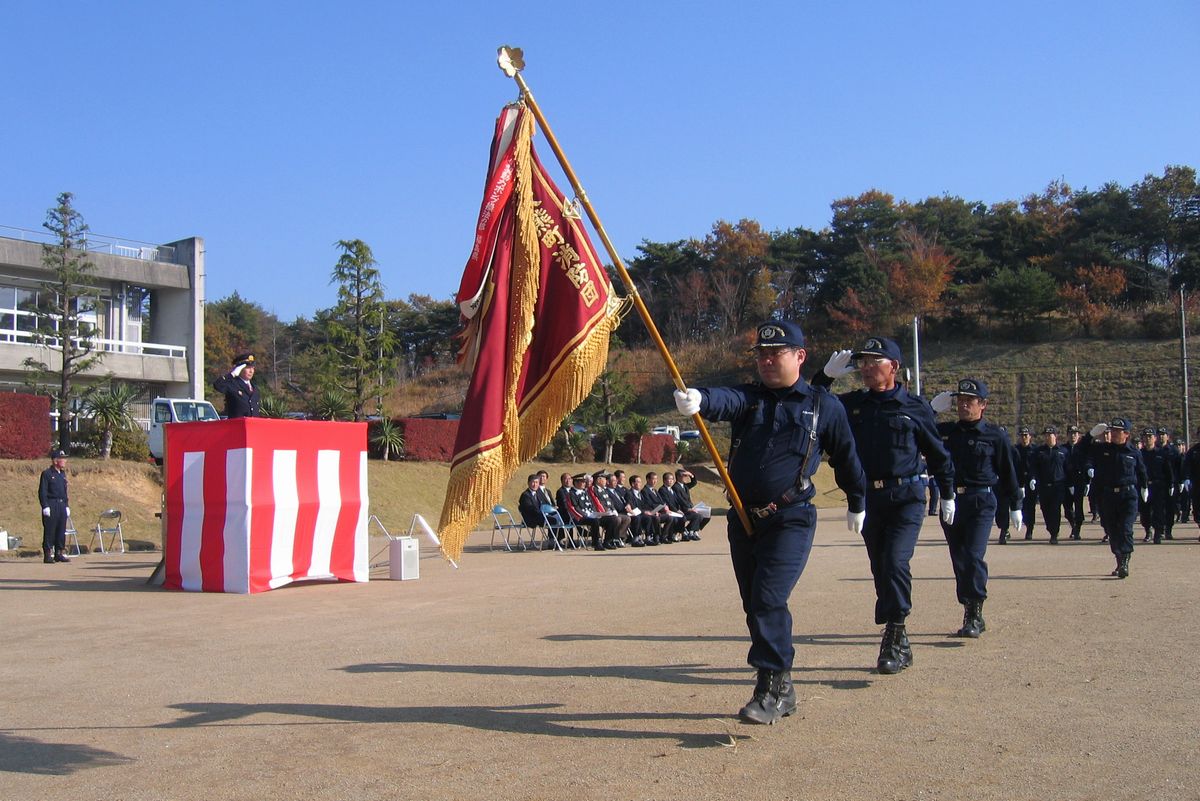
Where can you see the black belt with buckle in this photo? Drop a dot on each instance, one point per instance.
(970, 490)
(763, 512)
(1122, 488)
(884, 483)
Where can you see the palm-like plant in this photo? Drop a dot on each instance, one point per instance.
(332, 404)
(110, 409)
(611, 432)
(639, 424)
(387, 436)
(274, 407)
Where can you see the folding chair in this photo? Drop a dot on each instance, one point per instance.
(499, 515)
(109, 523)
(72, 537)
(555, 527)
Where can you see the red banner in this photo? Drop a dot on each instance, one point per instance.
(540, 310)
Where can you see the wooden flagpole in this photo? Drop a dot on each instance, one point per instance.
(512, 61)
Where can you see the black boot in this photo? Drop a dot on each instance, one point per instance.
(973, 624)
(47, 556)
(894, 652)
(774, 698)
(1123, 566)
(1004, 538)
(59, 556)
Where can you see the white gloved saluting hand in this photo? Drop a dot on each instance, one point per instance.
(946, 506)
(942, 402)
(839, 364)
(1015, 520)
(1099, 429)
(854, 521)
(687, 401)
(238, 370)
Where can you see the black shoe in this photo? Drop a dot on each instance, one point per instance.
(59, 556)
(651, 540)
(1104, 538)
(1054, 539)
(1004, 538)
(1146, 538)
(894, 651)
(973, 624)
(639, 542)
(774, 698)
(611, 545)
(47, 556)
(1168, 536)
(1028, 534)
(1123, 566)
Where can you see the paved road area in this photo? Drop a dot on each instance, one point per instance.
(603, 676)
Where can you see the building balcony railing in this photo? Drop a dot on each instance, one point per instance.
(99, 243)
(98, 344)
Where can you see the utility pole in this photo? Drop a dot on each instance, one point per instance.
(1183, 360)
(916, 356)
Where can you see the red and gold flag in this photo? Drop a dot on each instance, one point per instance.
(539, 309)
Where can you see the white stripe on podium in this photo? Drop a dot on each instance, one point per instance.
(236, 562)
(329, 496)
(192, 526)
(361, 570)
(287, 507)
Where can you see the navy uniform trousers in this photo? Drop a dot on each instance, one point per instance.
(1118, 511)
(894, 518)
(767, 567)
(967, 538)
(1050, 497)
(54, 527)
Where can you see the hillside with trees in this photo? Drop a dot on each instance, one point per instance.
(1066, 300)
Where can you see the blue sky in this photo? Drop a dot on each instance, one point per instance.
(275, 129)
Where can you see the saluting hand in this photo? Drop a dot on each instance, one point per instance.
(839, 364)
(943, 401)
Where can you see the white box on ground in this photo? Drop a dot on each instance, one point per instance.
(404, 559)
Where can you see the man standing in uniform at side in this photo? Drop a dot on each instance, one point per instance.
(982, 457)
(1191, 476)
(779, 429)
(1079, 477)
(1119, 481)
(892, 431)
(1025, 450)
(1050, 481)
(241, 396)
(52, 497)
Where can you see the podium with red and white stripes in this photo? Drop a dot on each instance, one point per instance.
(253, 504)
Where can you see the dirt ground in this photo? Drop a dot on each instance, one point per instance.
(610, 675)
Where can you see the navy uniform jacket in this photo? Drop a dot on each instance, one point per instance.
(1049, 464)
(1160, 466)
(1078, 463)
(982, 456)
(892, 431)
(1024, 463)
(241, 398)
(772, 430)
(52, 487)
(1191, 465)
(1116, 466)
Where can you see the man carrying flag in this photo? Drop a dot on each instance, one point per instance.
(538, 310)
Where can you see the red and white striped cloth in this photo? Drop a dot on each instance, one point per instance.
(253, 504)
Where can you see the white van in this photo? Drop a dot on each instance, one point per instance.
(175, 410)
(672, 430)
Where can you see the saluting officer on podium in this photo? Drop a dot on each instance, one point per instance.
(241, 396)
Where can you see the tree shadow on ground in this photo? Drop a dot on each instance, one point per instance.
(26, 755)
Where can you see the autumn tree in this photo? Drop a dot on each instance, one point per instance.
(918, 275)
(1092, 292)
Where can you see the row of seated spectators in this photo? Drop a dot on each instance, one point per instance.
(612, 514)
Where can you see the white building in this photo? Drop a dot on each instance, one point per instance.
(149, 318)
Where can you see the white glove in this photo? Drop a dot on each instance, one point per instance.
(1087, 490)
(1032, 484)
(1015, 520)
(1020, 493)
(235, 372)
(1187, 484)
(1182, 487)
(946, 506)
(839, 364)
(942, 402)
(1091, 472)
(1145, 493)
(687, 401)
(68, 510)
(1171, 491)
(1099, 429)
(45, 511)
(854, 521)
(1071, 491)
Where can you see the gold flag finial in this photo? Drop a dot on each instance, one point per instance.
(510, 59)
